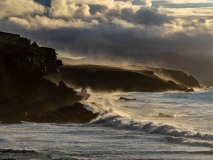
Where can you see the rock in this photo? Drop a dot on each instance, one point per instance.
(25, 95)
(75, 114)
(127, 99)
(21, 56)
(34, 44)
(179, 77)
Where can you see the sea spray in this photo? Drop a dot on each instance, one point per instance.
(113, 115)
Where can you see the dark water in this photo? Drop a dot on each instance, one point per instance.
(154, 126)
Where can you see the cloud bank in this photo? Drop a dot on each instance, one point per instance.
(112, 27)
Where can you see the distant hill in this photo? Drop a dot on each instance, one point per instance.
(177, 76)
(104, 78)
(201, 69)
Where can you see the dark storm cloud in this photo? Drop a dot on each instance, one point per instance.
(141, 16)
(116, 41)
(149, 17)
(106, 28)
(94, 9)
(124, 42)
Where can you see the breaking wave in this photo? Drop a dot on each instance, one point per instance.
(114, 113)
(175, 134)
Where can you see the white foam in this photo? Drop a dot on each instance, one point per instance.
(190, 142)
(176, 135)
(114, 116)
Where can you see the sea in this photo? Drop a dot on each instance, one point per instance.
(130, 126)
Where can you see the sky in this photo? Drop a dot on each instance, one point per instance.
(113, 27)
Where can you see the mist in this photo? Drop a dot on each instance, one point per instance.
(117, 32)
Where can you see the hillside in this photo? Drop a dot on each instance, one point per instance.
(103, 78)
(199, 68)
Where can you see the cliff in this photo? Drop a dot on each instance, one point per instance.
(20, 55)
(177, 76)
(102, 78)
(200, 68)
(25, 95)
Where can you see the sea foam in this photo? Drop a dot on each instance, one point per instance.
(176, 135)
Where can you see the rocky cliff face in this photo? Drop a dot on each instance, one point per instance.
(177, 76)
(102, 78)
(201, 69)
(25, 95)
(21, 56)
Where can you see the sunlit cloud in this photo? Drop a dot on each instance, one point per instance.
(106, 26)
(20, 8)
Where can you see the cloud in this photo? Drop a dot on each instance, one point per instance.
(109, 27)
(147, 3)
(145, 16)
(68, 9)
(42, 22)
(115, 40)
(20, 8)
(71, 13)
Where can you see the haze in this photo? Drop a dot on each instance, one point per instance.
(117, 29)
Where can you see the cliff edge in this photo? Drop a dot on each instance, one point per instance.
(104, 78)
(25, 95)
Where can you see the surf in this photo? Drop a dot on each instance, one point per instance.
(111, 115)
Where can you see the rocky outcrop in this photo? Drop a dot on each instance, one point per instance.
(75, 114)
(102, 78)
(25, 95)
(178, 77)
(21, 56)
(200, 68)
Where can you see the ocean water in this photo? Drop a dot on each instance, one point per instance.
(151, 126)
